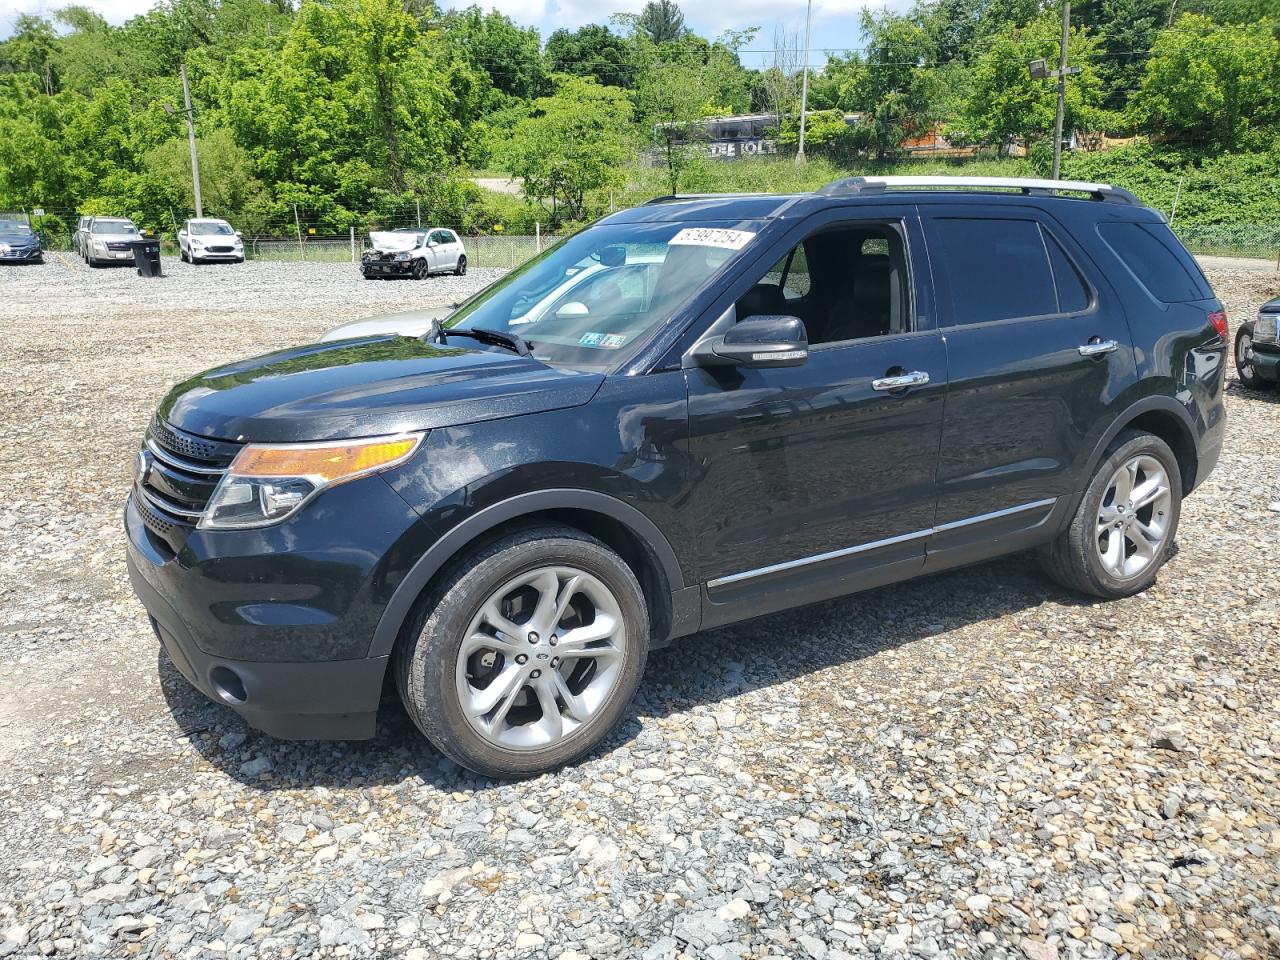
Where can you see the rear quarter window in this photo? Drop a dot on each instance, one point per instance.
(1154, 256)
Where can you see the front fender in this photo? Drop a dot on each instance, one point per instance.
(491, 517)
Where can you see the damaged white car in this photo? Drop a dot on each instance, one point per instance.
(413, 252)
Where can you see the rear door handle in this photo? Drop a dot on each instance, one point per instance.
(916, 378)
(1096, 347)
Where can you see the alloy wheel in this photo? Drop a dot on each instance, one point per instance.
(1133, 518)
(540, 657)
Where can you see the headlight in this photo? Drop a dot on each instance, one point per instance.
(404, 256)
(1264, 329)
(99, 244)
(197, 243)
(268, 482)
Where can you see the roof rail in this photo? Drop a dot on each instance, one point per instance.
(868, 186)
(673, 197)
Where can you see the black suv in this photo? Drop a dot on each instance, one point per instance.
(693, 412)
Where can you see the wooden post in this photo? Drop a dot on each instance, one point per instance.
(537, 236)
(297, 225)
(353, 243)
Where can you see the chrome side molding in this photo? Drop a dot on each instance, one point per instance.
(877, 544)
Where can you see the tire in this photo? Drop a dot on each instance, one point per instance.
(1078, 558)
(461, 269)
(419, 270)
(433, 683)
(1244, 366)
(182, 255)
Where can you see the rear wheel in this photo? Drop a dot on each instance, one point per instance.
(1124, 528)
(527, 656)
(461, 269)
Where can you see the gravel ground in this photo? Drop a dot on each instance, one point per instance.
(975, 765)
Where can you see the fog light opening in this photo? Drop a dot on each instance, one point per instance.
(228, 684)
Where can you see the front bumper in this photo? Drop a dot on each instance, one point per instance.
(277, 623)
(386, 268)
(206, 254)
(25, 255)
(1266, 362)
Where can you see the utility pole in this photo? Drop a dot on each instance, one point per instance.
(804, 86)
(1038, 72)
(1062, 90)
(191, 139)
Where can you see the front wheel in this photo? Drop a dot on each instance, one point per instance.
(182, 255)
(461, 269)
(419, 269)
(1126, 522)
(526, 657)
(1245, 369)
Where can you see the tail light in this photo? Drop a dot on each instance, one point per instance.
(1219, 320)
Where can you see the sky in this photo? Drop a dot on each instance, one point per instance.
(835, 22)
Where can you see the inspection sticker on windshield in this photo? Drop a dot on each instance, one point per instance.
(609, 341)
(712, 237)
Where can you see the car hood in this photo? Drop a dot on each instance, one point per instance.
(116, 237)
(367, 387)
(393, 242)
(407, 323)
(17, 239)
(1271, 306)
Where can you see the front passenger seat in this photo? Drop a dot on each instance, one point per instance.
(868, 310)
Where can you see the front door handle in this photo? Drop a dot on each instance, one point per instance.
(916, 378)
(1096, 347)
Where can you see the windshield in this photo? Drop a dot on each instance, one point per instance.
(592, 300)
(211, 228)
(114, 226)
(14, 226)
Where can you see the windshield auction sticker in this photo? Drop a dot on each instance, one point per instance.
(712, 237)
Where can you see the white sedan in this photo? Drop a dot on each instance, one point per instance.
(200, 241)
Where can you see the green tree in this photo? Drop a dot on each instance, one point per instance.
(32, 49)
(895, 90)
(1006, 104)
(1213, 84)
(573, 143)
(510, 55)
(591, 51)
(661, 21)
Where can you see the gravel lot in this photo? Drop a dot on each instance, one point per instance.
(977, 765)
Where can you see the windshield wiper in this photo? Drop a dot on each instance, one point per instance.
(440, 334)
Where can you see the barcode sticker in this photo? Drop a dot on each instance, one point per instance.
(712, 237)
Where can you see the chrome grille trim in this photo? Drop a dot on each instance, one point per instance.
(161, 503)
(179, 463)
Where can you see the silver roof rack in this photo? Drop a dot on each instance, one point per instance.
(868, 186)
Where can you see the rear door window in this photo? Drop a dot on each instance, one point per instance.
(1151, 252)
(997, 269)
(1073, 291)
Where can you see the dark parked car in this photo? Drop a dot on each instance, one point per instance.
(1258, 349)
(821, 393)
(19, 243)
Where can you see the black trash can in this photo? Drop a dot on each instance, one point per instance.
(146, 257)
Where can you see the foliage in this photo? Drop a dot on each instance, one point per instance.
(1211, 83)
(1007, 105)
(661, 21)
(591, 51)
(570, 146)
(370, 112)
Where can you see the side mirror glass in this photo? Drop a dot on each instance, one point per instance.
(573, 309)
(762, 341)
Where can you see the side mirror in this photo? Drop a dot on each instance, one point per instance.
(764, 341)
(614, 256)
(573, 309)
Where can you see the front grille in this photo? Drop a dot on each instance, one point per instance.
(183, 471)
(218, 249)
(116, 245)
